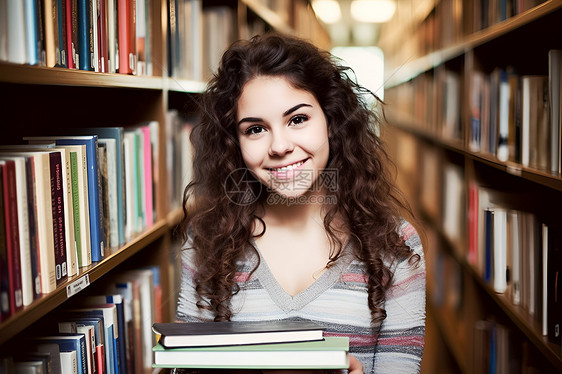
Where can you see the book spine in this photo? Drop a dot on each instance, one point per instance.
(554, 280)
(503, 126)
(132, 26)
(96, 222)
(111, 35)
(43, 201)
(103, 36)
(74, 39)
(32, 223)
(68, 16)
(94, 46)
(554, 84)
(85, 210)
(31, 34)
(12, 236)
(544, 281)
(121, 208)
(84, 36)
(147, 154)
(49, 32)
(41, 42)
(103, 181)
(4, 272)
(23, 227)
(57, 199)
(68, 201)
(76, 207)
(61, 31)
(123, 16)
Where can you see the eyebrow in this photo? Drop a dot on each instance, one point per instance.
(286, 113)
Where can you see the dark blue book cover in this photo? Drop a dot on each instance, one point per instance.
(88, 319)
(84, 37)
(69, 342)
(61, 26)
(109, 335)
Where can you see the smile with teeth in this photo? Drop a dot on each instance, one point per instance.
(288, 167)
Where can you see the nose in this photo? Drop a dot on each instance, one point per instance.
(281, 143)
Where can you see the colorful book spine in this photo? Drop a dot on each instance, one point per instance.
(31, 33)
(4, 272)
(12, 235)
(148, 193)
(96, 222)
(84, 36)
(32, 223)
(57, 197)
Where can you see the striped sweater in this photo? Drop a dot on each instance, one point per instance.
(338, 301)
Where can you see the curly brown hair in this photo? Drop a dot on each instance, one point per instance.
(221, 226)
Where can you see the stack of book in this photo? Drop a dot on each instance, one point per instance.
(248, 345)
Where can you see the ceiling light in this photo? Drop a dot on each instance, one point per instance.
(372, 11)
(328, 10)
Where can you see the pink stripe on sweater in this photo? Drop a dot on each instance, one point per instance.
(411, 340)
(408, 231)
(407, 285)
(354, 277)
(241, 277)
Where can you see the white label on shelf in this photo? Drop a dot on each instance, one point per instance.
(514, 170)
(77, 286)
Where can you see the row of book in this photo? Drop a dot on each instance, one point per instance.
(513, 251)
(447, 23)
(513, 117)
(487, 13)
(96, 35)
(518, 256)
(179, 155)
(68, 201)
(517, 117)
(498, 351)
(105, 332)
(197, 38)
(431, 103)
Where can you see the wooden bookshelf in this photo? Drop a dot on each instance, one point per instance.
(48, 302)
(415, 111)
(38, 98)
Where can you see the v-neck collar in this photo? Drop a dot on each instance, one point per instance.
(289, 303)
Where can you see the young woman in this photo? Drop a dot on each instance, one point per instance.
(292, 213)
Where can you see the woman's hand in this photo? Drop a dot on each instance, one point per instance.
(355, 366)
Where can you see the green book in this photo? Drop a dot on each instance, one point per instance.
(76, 205)
(330, 353)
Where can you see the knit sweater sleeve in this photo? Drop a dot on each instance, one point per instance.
(187, 310)
(401, 339)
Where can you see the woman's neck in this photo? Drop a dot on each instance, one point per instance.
(295, 213)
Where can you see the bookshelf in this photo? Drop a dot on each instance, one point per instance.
(441, 59)
(38, 98)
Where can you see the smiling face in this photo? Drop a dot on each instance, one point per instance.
(283, 135)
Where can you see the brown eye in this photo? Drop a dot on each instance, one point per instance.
(298, 120)
(255, 130)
